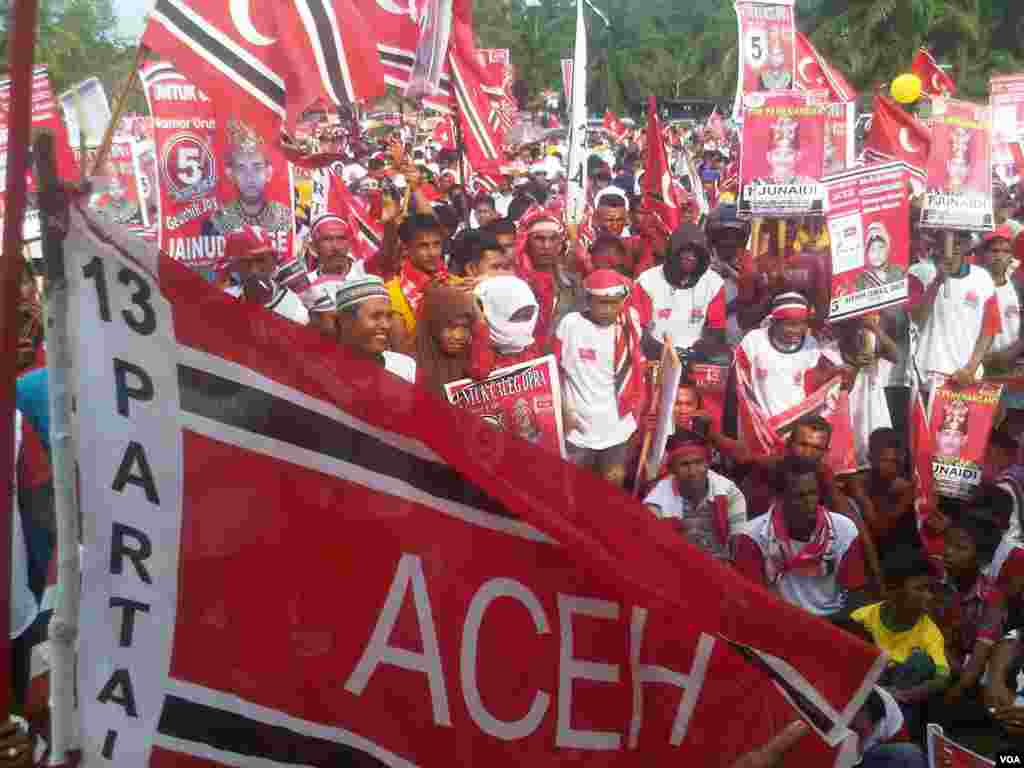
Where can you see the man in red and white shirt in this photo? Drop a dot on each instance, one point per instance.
(602, 372)
(783, 363)
(705, 506)
(955, 309)
(806, 553)
(688, 299)
(1007, 345)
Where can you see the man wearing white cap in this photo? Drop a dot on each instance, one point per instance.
(602, 368)
(364, 325)
(320, 300)
(330, 240)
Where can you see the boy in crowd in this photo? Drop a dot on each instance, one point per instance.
(599, 353)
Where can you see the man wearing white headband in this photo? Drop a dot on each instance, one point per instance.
(602, 369)
(364, 325)
(783, 363)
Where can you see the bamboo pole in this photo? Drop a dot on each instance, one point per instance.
(63, 628)
(119, 104)
(20, 45)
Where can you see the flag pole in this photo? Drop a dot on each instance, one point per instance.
(63, 629)
(462, 167)
(21, 43)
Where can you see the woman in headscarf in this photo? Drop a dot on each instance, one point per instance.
(443, 335)
(504, 335)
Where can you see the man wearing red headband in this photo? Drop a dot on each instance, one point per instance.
(705, 506)
(540, 256)
(250, 259)
(330, 240)
(808, 554)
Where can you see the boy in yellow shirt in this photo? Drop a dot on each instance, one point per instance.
(901, 627)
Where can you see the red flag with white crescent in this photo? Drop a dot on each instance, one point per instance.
(897, 135)
(935, 81)
(444, 133)
(814, 73)
(658, 190)
(271, 67)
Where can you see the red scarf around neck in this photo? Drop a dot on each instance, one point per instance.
(414, 282)
(783, 552)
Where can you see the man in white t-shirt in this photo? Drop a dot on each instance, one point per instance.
(808, 554)
(705, 506)
(1007, 345)
(687, 298)
(251, 258)
(602, 371)
(364, 325)
(955, 309)
(783, 363)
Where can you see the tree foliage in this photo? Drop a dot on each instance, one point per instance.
(677, 50)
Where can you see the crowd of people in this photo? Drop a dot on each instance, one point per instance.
(466, 281)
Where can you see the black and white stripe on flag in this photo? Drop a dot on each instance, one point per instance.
(321, 24)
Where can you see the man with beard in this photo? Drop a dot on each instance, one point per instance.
(364, 325)
(687, 298)
(330, 241)
(705, 506)
(811, 556)
(251, 258)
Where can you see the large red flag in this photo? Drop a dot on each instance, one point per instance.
(897, 135)
(614, 126)
(444, 133)
(935, 81)
(658, 190)
(294, 557)
(271, 68)
(814, 73)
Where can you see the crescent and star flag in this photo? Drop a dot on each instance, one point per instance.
(935, 81)
(814, 73)
(659, 193)
(897, 135)
(614, 126)
(292, 558)
(444, 133)
(273, 66)
(498, 81)
(576, 192)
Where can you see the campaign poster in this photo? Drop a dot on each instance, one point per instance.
(960, 421)
(783, 156)
(710, 382)
(840, 145)
(959, 186)
(185, 138)
(1007, 102)
(525, 399)
(943, 752)
(123, 199)
(87, 112)
(767, 48)
(868, 219)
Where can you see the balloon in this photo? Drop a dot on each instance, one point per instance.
(906, 89)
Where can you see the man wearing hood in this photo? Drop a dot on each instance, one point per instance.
(687, 298)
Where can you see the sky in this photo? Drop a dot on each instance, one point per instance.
(131, 16)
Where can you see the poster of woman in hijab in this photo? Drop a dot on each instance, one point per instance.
(783, 156)
(960, 423)
(959, 167)
(524, 399)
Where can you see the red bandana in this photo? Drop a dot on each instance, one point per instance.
(414, 282)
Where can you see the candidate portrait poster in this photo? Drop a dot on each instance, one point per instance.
(783, 156)
(525, 399)
(840, 140)
(868, 223)
(1007, 102)
(767, 48)
(122, 195)
(960, 420)
(959, 186)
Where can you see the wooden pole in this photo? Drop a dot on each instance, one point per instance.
(20, 45)
(115, 118)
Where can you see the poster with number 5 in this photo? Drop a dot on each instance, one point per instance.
(767, 55)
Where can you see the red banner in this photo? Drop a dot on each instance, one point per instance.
(500, 606)
(960, 421)
(124, 200)
(216, 173)
(767, 49)
(959, 167)
(524, 399)
(840, 139)
(869, 229)
(783, 157)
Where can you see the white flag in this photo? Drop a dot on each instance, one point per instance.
(577, 197)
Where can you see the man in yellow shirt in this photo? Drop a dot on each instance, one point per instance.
(901, 627)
